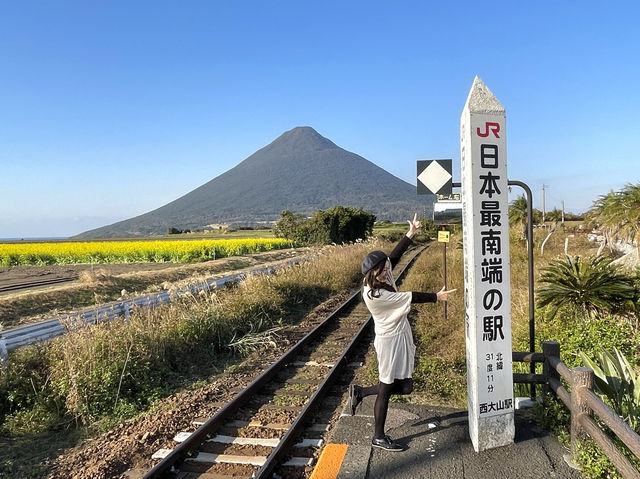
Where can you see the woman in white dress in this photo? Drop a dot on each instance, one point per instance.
(393, 341)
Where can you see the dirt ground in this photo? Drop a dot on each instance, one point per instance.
(23, 274)
(108, 282)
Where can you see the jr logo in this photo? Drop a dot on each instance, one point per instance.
(494, 127)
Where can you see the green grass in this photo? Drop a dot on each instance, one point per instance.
(440, 370)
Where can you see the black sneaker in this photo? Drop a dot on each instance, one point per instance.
(387, 444)
(354, 398)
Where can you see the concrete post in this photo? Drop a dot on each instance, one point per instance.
(550, 348)
(485, 207)
(543, 210)
(582, 379)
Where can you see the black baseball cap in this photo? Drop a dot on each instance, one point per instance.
(373, 259)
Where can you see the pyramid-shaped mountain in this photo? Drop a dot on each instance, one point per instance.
(300, 171)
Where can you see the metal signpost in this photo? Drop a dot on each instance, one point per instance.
(486, 269)
(443, 237)
(435, 178)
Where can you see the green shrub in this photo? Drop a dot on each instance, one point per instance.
(582, 336)
(617, 380)
(589, 335)
(594, 463)
(591, 286)
(553, 415)
(338, 224)
(289, 226)
(25, 386)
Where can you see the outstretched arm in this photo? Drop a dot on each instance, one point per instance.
(441, 295)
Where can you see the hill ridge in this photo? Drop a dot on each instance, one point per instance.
(301, 171)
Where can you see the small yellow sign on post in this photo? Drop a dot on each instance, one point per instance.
(443, 236)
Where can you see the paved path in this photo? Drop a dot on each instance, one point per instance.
(439, 447)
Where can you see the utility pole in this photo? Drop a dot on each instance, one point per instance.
(543, 204)
(562, 211)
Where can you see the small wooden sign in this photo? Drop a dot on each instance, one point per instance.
(452, 198)
(443, 236)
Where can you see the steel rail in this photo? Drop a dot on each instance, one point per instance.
(184, 449)
(288, 439)
(199, 435)
(296, 426)
(36, 284)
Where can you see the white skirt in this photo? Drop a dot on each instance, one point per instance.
(396, 356)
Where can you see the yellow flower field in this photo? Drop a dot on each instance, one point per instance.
(181, 251)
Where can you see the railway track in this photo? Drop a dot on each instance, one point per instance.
(36, 284)
(275, 424)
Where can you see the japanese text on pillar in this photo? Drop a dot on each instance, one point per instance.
(493, 204)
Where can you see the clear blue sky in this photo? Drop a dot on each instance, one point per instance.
(109, 109)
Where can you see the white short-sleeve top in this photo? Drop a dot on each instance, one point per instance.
(393, 342)
(389, 311)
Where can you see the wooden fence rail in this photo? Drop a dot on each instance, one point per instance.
(583, 403)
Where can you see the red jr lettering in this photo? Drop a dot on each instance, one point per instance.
(494, 127)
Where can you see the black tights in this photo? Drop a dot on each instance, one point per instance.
(384, 392)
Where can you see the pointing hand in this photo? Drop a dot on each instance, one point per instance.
(442, 294)
(414, 225)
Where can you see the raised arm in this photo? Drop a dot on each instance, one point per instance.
(399, 250)
(403, 244)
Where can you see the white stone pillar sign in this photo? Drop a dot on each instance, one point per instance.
(487, 292)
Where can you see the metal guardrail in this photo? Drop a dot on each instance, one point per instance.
(50, 328)
(583, 403)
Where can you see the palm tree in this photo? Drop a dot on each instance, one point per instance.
(618, 215)
(555, 215)
(592, 286)
(518, 215)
